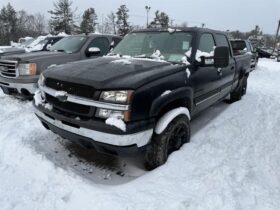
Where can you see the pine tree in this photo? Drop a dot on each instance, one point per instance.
(62, 19)
(89, 21)
(161, 19)
(8, 22)
(122, 20)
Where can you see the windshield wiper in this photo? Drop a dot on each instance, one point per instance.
(144, 56)
(60, 50)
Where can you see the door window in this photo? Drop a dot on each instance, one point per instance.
(102, 43)
(207, 43)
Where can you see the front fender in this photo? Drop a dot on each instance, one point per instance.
(185, 94)
(168, 117)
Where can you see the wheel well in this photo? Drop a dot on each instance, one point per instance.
(175, 104)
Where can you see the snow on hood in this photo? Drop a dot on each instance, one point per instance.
(62, 34)
(5, 47)
(122, 61)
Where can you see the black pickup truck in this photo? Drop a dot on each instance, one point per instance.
(19, 73)
(142, 96)
(241, 47)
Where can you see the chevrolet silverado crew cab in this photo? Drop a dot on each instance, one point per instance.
(19, 74)
(142, 96)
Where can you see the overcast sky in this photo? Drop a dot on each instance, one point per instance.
(240, 15)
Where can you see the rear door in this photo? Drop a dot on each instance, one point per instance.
(226, 75)
(205, 78)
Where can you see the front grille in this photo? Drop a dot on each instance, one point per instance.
(8, 68)
(70, 109)
(71, 88)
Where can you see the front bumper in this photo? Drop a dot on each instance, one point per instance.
(140, 139)
(25, 86)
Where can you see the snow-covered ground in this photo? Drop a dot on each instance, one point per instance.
(232, 162)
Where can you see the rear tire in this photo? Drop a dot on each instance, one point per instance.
(171, 139)
(240, 91)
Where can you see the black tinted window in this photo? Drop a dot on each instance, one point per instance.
(207, 43)
(222, 40)
(102, 43)
(116, 41)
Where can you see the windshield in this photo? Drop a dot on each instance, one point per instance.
(26, 43)
(69, 44)
(167, 46)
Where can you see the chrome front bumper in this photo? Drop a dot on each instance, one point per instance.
(30, 87)
(140, 139)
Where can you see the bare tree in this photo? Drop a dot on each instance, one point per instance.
(40, 23)
(110, 24)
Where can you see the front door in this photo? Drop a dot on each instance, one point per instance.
(206, 78)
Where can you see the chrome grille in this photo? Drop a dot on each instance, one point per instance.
(8, 68)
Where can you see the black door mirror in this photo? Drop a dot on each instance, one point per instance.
(221, 57)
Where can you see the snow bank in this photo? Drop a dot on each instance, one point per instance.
(232, 162)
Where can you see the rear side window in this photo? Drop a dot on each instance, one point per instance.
(206, 43)
(102, 43)
(222, 41)
(116, 41)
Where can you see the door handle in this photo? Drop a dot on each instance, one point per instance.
(232, 68)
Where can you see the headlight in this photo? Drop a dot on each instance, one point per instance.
(27, 68)
(122, 96)
(107, 113)
(41, 81)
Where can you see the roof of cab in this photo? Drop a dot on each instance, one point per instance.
(186, 29)
(96, 35)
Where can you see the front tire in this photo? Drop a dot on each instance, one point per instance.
(171, 139)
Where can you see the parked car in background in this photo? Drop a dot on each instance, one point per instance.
(278, 55)
(241, 47)
(42, 43)
(142, 96)
(264, 52)
(19, 73)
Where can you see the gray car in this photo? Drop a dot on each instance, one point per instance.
(19, 74)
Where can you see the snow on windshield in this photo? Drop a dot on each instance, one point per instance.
(166, 46)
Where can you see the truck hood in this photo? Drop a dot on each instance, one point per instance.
(35, 56)
(11, 50)
(112, 72)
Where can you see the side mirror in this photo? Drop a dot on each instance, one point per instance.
(49, 47)
(221, 57)
(93, 51)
